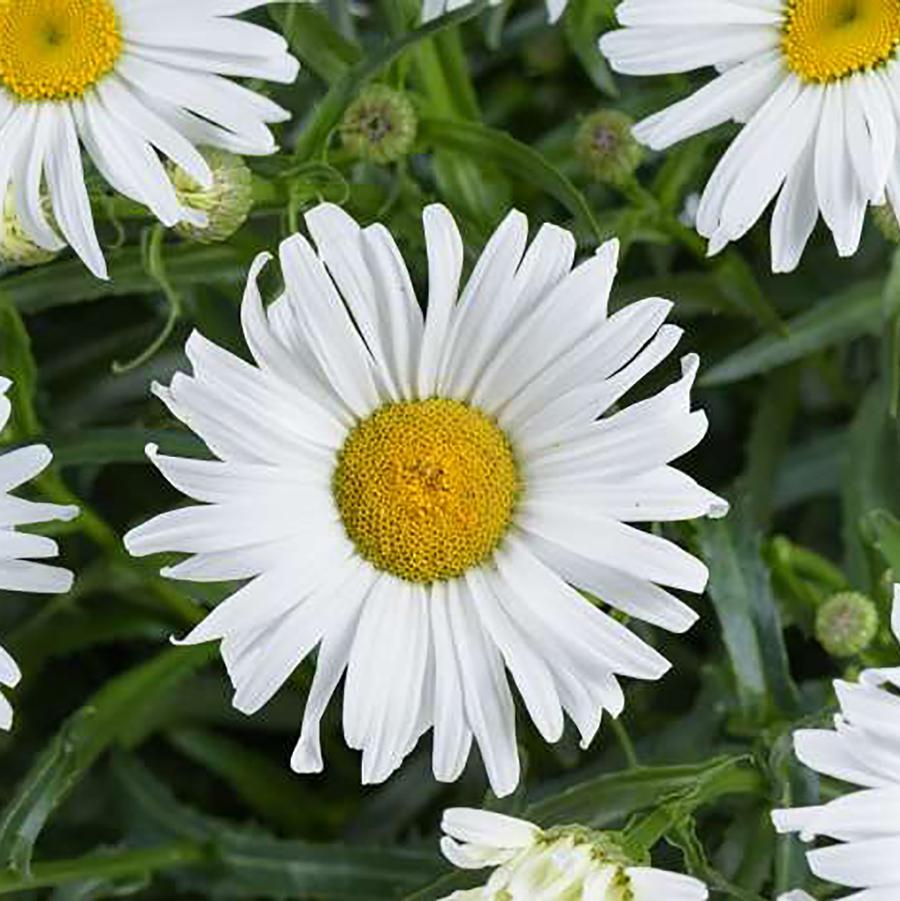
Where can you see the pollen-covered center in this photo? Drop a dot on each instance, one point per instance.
(826, 40)
(56, 49)
(426, 489)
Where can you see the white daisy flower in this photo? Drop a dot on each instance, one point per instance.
(816, 83)
(417, 495)
(17, 571)
(564, 862)
(431, 9)
(863, 750)
(128, 79)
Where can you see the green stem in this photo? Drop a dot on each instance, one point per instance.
(627, 744)
(156, 268)
(894, 331)
(116, 865)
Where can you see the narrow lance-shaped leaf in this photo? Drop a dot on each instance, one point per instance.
(117, 713)
(250, 864)
(740, 589)
(481, 142)
(836, 320)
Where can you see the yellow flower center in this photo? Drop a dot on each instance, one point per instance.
(826, 40)
(56, 49)
(426, 489)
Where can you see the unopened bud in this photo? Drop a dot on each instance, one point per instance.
(846, 624)
(226, 203)
(16, 247)
(886, 220)
(606, 147)
(380, 125)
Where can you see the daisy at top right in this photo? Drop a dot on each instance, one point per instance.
(816, 85)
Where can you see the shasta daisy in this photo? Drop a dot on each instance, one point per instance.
(566, 862)
(20, 550)
(862, 750)
(417, 495)
(129, 80)
(815, 84)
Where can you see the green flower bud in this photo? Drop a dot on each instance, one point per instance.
(886, 220)
(846, 624)
(606, 147)
(380, 125)
(227, 203)
(16, 248)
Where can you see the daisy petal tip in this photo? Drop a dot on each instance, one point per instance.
(718, 508)
(68, 513)
(307, 759)
(608, 251)
(260, 261)
(133, 540)
(66, 581)
(43, 456)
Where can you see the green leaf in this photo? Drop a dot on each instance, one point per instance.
(869, 483)
(810, 469)
(740, 589)
(583, 24)
(476, 191)
(769, 436)
(268, 788)
(67, 281)
(885, 529)
(314, 41)
(481, 143)
(117, 713)
(609, 799)
(104, 874)
(681, 168)
(18, 365)
(251, 864)
(99, 447)
(850, 314)
(795, 786)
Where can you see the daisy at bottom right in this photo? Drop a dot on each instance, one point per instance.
(862, 750)
(565, 862)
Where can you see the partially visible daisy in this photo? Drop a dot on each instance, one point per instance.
(862, 750)
(431, 9)
(816, 83)
(418, 494)
(19, 550)
(563, 862)
(130, 80)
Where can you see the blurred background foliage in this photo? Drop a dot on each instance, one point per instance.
(154, 787)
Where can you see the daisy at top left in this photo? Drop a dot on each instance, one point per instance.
(20, 550)
(132, 82)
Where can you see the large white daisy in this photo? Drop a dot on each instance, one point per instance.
(128, 79)
(567, 862)
(19, 550)
(417, 495)
(431, 9)
(816, 83)
(862, 750)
